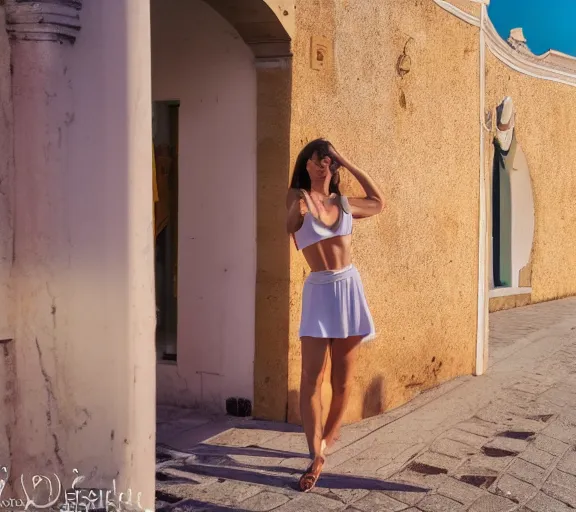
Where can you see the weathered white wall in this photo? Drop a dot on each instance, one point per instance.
(522, 200)
(6, 238)
(198, 58)
(84, 254)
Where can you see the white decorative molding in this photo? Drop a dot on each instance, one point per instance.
(525, 61)
(553, 65)
(508, 292)
(43, 20)
(556, 59)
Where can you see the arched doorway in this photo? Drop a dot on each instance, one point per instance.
(221, 87)
(512, 216)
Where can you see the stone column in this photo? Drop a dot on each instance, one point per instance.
(83, 267)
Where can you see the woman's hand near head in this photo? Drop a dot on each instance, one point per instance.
(373, 202)
(334, 155)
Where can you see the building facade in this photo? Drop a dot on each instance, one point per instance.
(146, 150)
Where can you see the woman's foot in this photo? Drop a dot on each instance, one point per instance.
(310, 477)
(327, 445)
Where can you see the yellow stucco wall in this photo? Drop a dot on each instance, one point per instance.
(418, 137)
(545, 127)
(512, 301)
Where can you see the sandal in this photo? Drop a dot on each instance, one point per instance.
(310, 477)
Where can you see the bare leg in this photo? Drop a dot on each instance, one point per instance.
(314, 357)
(343, 363)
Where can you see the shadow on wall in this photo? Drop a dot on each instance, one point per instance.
(274, 82)
(374, 402)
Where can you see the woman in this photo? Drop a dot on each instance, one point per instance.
(335, 316)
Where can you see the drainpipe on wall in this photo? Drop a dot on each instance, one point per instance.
(482, 313)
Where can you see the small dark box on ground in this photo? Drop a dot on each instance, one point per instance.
(238, 407)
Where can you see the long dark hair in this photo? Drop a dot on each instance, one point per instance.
(301, 178)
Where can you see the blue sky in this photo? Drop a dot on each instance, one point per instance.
(546, 23)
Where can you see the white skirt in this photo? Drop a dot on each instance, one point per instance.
(334, 306)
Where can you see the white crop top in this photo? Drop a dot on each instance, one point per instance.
(314, 230)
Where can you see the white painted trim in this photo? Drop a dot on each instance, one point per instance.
(483, 224)
(509, 291)
(527, 65)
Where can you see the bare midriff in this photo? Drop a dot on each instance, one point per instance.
(330, 254)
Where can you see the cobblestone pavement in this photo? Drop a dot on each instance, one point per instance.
(501, 442)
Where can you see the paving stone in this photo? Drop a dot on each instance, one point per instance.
(435, 460)
(478, 427)
(561, 486)
(407, 497)
(527, 472)
(264, 502)
(372, 459)
(519, 401)
(467, 438)
(310, 503)
(297, 464)
(348, 495)
(411, 509)
(551, 407)
(514, 489)
(377, 500)
(508, 421)
(323, 491)
(538, 457)
(191, 505)
(294, 442)
(410, 453)
(478, 464)
(541, 410)
(561, 397)
(390, 470)
(459, 491)
(568, 463)
(167, 433)
(259, 462)
(504, 443)
(417, 479)
(561, 432)
(568, 415)
(176, 475)
(452, 448)
(221, 493)
(544, 503)
(549, 444)
(491, 503)
(530, 386)
(436, 503)
(241, 437)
